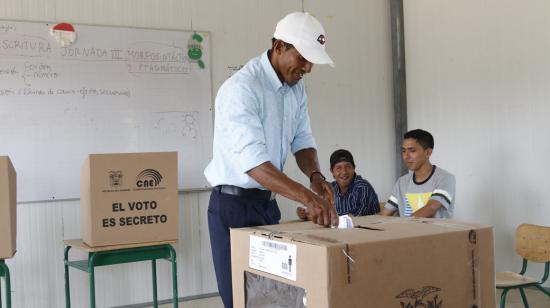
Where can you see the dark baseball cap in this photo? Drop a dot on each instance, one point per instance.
(340, 156)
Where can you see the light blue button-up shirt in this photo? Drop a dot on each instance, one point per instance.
(257, 119)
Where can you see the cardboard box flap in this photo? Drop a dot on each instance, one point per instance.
(302, 236)
(313, 234)
(378, 222)
(412, 226)
(318, 235)
(368, 229)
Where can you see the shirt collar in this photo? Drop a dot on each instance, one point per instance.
(270, 73)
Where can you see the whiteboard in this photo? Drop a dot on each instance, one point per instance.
(114, 90)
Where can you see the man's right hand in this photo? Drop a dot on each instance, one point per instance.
(321, 211)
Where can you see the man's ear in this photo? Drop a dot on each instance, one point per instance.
(278, 46)
(429, 152)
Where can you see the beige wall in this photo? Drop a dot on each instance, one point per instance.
(477, 77)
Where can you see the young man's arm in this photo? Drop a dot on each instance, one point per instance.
(428, 210)
(386, 212)
(393, 202)
(442, 196)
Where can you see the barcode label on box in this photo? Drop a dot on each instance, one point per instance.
(274, 257)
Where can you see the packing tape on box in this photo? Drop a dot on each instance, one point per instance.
(473, 251)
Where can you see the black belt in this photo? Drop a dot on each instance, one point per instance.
(249, 193)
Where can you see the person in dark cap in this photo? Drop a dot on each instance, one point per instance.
(353, 195)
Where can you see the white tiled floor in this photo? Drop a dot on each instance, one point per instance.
(536, 300)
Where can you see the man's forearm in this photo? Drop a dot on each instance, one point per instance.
(320, 209)
(271, 178)
(308, 161)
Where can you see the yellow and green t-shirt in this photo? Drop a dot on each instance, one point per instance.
(408, 195)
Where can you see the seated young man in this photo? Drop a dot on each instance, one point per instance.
(427, 190)
(353, 195)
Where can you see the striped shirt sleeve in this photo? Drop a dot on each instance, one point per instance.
(367, 200)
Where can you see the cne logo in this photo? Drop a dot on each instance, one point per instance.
(148, 178)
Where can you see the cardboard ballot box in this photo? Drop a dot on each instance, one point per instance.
(382, 262)
(129, 198)
(8, 208)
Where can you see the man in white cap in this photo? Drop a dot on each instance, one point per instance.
(261, 114)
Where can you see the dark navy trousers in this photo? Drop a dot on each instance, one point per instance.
(229, 211)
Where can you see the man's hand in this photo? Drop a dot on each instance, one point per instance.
(321, 211)
(321, 187)
(326, 213)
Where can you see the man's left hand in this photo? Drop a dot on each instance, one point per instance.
(322, 188)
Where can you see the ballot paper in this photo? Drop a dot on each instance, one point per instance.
(345, 222)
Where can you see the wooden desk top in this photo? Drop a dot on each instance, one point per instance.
(78, 243)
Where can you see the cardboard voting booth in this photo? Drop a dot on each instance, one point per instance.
(8, 208)
(129, 198)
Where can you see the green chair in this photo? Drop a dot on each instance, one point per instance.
(533, 245)
(110, 255)
(5, 272)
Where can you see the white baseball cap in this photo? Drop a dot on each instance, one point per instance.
(307, 35)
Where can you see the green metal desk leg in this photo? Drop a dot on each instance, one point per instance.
(6, 273)
(4, 269)
(8, 287)
(174, 276)
(0, 292)
(154, 271)
(91, 264)
(67, 285)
